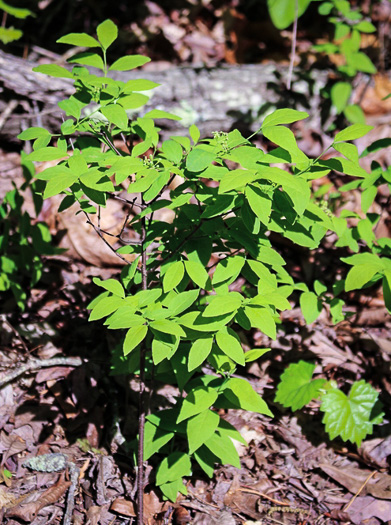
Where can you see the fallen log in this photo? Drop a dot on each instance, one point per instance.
(216, 99)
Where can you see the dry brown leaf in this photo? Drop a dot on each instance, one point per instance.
(377, 451)
(11, 444)
(365, 508)
(353, 479)
(123, 507)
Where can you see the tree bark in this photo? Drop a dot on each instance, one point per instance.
(215, 99)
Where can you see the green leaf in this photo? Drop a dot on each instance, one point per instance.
(129, 62)
(365, 27)
(194, 133)
(350, 417)
(236, 179)
(256, 353)
(285, 138)
(107, 32)
(172, 151)
(116, 115)
(58, 184)
(164, 346)
(283, 12)
(170, 490)
(111, 285)
(387, 290)
(199, 351)
(297, 388)
(340, 94)
(104, 307)
(33, 133)
(53, 70)
(222, 304)
(79, 39)
(354, 114)
(349, 150)
(230, 345)
(197, 273)
(242, 395)
(17, 12)
(133, 101)
(46, 154)
(223, 448)
(139, 84)
(198, 159)
(182, 302)
(262, 319)
(360, 275)
(173, 467)
(200, 428)
(123, 318)
(206, 460)
(198, 400)
(158, 113)
(87, 58)
(353, 132)
(168, 327)
(227, 269)
(173, 276)
(284, 116)
(260, 202)
(133, 337)
(154, 439)
(311, 306)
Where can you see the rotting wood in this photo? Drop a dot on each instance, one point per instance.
(214, 99)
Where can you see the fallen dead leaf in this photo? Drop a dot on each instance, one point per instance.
(124, 507)
(10, 445)
(353, 479)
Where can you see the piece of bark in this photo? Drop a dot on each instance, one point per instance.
(214, 99)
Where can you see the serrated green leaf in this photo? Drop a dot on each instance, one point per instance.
(360, 275)
(78, 39)
(350, 417)
(311, 306)
(222, 304)
(111, 285)
(284, 116)
(173, 467)
(200, 428)
(129, 62)
(297, 388)
(107, 32)
(199, 351)
(242, 395)
(198, 400)
(353, 132)
(133, 337)
(173, 276)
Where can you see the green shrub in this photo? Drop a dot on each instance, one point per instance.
(211, 272)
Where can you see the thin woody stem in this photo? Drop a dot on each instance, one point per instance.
(141, 417)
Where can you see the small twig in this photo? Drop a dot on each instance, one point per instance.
(3, 318)
(98, 231)
(9, 108)
(70, 505)
(132, 203)
(293, 49)
(263, 495)
(37, 364)
(347, 506)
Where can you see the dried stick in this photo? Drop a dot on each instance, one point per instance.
(37, 364)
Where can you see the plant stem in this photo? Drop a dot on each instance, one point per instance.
(141, 416)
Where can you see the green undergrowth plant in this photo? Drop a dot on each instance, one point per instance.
(348, 416)
(10, 34)
(200, 277)
(24, 242)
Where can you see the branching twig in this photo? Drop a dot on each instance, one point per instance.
(37, 364)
